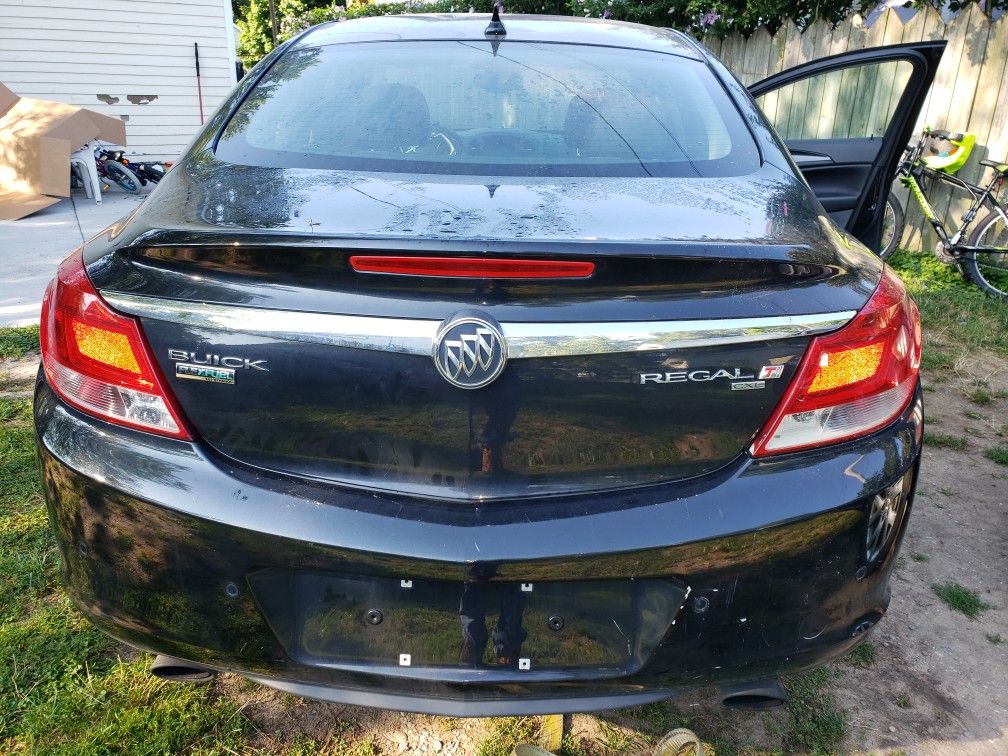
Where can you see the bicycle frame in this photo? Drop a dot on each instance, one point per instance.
(912, 170)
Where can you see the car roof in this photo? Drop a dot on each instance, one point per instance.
(520, 27)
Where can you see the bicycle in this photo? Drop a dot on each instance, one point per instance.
(983, 257)
(149, 172)
(111, 169)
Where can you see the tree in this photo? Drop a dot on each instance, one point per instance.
(254, 38)
(955, 6)
(719, 17)
(293, 17)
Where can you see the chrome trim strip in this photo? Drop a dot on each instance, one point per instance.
(525, 340)
(569, 339)
(354, 331)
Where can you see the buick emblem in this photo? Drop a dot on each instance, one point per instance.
(470, 351)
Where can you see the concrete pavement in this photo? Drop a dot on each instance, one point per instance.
(31, 248)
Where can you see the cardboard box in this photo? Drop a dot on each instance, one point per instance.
(36, 139)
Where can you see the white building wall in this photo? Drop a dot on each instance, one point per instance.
(132, 59)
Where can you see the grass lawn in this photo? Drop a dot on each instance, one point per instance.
(67, 688)
(15, 342)
(64, 686)
(958, 318)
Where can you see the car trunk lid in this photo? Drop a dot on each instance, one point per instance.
(661, 365)
(584, 402)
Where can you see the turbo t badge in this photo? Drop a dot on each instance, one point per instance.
(470, 351)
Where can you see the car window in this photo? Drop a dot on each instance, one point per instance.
(849, 103)
(459, 107)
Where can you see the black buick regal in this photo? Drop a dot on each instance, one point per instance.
(480, 370)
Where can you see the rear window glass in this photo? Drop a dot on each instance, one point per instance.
(460, 107)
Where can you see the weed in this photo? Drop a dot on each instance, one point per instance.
(504, 733)
(17, 342)
(980, 395)
(902, 700)
(933, 359)
(815, 722)
(994, 638)
(945, 441)
(302, 746)
(652, 722)
(14, 409)
(364, 747)
(918, 557)
(971, 415)
(997, 454)
(572, 746)
(63, 705)
(657, 717)
(614, 739)
(960, 599)
(862, 656)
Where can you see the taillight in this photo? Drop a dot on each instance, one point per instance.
(852, 381)
(98, 360)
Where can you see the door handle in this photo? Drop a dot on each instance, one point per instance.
(803, 160)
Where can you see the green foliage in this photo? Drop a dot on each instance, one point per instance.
(14, 409)
(945, 441)
(114, 707)
(815, 723)
(862, 656)
(980, 395)
(957, 316)
(997, 454)
(719, 17)
(254, 37)
(504, 733)
(960, 599)
(956, 6)
(572, 746)
(27, 556)
(934, 359)
(62, 689)
(17, 342)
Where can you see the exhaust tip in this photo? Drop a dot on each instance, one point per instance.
(178, 670)
(757, 694)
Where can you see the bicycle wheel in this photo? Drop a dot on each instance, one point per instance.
(892, 226)
(123, 176)
(988, 269)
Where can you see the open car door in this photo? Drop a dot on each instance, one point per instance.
(846, 120)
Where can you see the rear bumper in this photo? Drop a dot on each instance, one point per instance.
(161, 544)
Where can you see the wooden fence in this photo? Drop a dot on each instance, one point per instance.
(970, 92)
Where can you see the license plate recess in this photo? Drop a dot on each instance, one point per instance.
(601, 627)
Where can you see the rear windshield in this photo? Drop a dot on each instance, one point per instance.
(464, 108)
